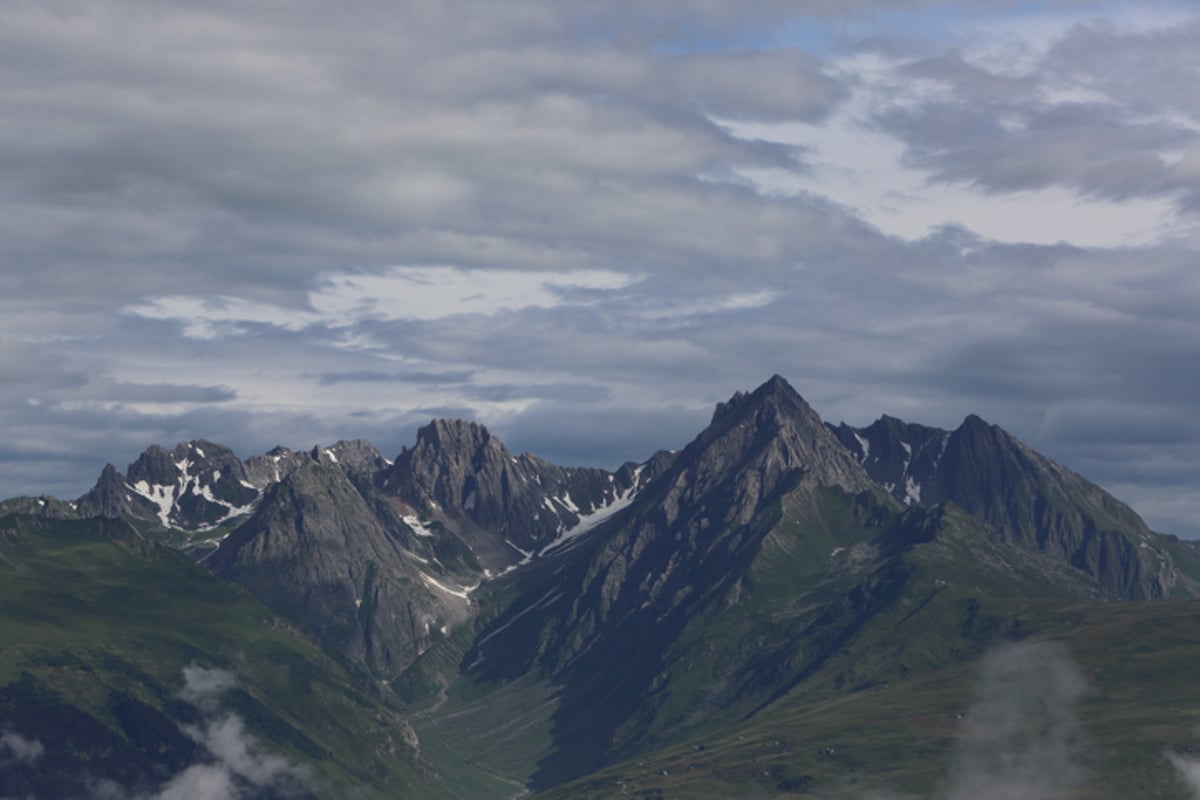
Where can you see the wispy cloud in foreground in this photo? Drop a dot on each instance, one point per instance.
(236, 766)
(16, 747)
(1021, 738)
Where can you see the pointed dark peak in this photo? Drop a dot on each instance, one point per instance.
(974, 422)
(111, 479)
(453, 434)
(456, 427)
(155, 466)
(762, 438)
(261, 471)
(978, 434)
(891, 428)
(889, 423)
(724, 409)
(776, 383)
(779, 392)
(356, 454)
(110, 497)
(775, 395)
(203, 449)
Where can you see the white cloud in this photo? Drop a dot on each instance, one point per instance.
(343, 299)
(426, 293)
(1188, 770)
(204, 687)
(852, 161)
(237, 762)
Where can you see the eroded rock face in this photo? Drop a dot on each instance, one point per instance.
(316, 551)
(504, 506)
(1024, 496)
(198, 484)
(693, 525)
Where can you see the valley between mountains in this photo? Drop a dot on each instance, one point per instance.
(783, 608)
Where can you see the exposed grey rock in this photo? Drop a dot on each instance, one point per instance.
(502, 505)
(1025, 497)
(316, 551)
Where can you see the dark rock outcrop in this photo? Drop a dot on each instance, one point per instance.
(316, 552)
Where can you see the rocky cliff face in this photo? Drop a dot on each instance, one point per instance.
(375, 559)
(506, 507)
(608, 622)
(695, 528)
(316, 552)
(197, 485)
(1024, 497)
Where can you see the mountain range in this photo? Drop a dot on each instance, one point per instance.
(460, 621)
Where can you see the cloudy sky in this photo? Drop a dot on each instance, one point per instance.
(585, 223)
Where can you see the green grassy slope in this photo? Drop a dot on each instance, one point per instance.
(96, 628)
(897, 739)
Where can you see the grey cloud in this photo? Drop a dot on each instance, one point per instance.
(593, 436)
(169, 393)
(15, 746)
(380, 376)
(1008, 132)
(1148, 70)
(561, 392)
(211, 158)
(245, 152)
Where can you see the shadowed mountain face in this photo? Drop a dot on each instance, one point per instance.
(775, 559)
(317, 552)
(1025, 497)
(768, 548)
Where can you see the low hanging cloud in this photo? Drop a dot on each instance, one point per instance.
(1021, 738)
(240, 767)
(237, 766)
(14, 746)
(1188, 770)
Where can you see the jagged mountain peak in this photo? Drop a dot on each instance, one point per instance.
(975, 422)
(196, 486)
(319, 551)
(770, 432)
(456, 434)
(775, 393)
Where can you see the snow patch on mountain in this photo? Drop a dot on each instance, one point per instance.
(912, 492)
(161, 496)
(864, 444)
(463, 593)
(166, 497)
(588, 522)
(417, 526)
